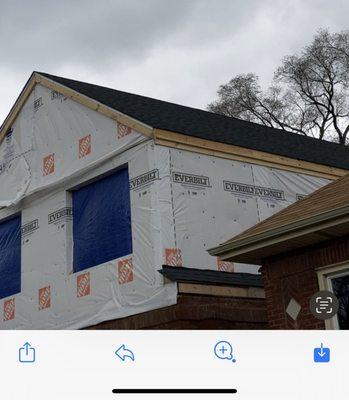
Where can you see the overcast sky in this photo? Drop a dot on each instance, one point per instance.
(176, 50)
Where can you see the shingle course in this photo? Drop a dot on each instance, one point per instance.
(206, 125)
(205, 276)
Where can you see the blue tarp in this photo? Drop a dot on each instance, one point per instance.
(102, 221)
(10, 257)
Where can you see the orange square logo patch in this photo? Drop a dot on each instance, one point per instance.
(85, 146)
(9, 309)
(83, 285)
(44, 297)
(225, 266)
(173, 257)
(125, 271)
(48, 164)
(123, 130)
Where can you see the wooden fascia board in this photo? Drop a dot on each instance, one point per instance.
(221, 290)
(76, 96)
(232, 251)
(232, 152)
(96, 105)
(172, 139)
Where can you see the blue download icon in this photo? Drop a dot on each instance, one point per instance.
(322, 354)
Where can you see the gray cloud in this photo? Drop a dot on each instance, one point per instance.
(176, 50)
(84, 32)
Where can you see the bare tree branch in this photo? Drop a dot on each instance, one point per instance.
(309, 93)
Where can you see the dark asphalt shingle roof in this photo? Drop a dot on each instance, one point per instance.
(206, 125)
(210, 277)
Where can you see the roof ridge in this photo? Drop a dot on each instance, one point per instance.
(203, 124)
(143, 96)
(227, 118)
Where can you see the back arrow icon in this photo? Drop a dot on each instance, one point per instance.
(122, 352)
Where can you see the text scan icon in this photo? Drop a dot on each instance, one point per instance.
(324, 305)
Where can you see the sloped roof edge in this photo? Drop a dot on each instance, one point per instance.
(268, 146)
(207, 125)
(326, 207)
(39, 78)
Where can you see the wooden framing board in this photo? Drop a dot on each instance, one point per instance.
(78, 97)
(221, 291)
(95, 105)
(22, 98)
(232, 152)
(172, 139)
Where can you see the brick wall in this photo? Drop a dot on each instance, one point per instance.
(293, 275)
(198, 312)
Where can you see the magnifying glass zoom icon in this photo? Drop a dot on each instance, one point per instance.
(224, 351)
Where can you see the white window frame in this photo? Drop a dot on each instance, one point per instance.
(325, 276)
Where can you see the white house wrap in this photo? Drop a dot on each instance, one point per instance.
(67, 172)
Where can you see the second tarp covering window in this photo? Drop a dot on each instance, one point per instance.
(102, 221)
(10, 257)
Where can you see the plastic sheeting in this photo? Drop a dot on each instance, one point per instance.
(65, 147)
(212, 199)
(181, 204)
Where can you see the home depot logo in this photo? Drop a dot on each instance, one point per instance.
(251, 190)
(123, 130)
(83, 285)
(125, 271)
(173, 257)
(30, 227)
(44, 297)
(9, 309)
(144, 179)
(225, 266)
(190, 179)
(85, 146)
(48, 164)
(59, 215)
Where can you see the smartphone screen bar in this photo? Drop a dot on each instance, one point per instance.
(174, 391)
(173, 365)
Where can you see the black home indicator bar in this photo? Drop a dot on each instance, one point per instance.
(174, 391)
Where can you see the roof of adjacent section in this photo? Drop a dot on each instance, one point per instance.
(210, 277)
(321, 216)
(206, 125)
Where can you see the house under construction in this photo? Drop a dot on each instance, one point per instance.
(109, 202)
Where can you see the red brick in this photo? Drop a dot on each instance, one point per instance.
(293, 275)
